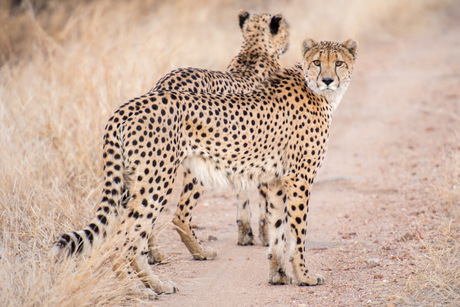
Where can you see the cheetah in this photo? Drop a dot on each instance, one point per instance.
(265, 40)
(276, 134)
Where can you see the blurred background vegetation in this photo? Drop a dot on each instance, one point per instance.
(31, 26)
(65, 65)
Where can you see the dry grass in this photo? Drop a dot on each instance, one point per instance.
(436, 279)
(65, 68)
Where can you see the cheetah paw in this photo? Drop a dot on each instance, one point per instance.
(168, 287)
(246, 238)
(148, 294)
(311, 280)
(157, 256)
(280, 278)
(206, 254)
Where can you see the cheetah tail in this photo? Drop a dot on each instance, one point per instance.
(115, 196)
(75, 242)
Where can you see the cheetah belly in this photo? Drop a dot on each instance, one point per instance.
(207, 171)
(221, 175)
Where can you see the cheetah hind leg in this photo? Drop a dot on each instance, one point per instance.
(136, 265)
(263, 222)
(155, 255)
(243, 220)
(191, 192)
(191, 242)
(150, 280)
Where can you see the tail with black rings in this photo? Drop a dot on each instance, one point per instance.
(115, 196)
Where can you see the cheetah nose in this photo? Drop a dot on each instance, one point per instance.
(327, 81)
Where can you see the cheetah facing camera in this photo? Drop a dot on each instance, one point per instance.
(276, 135)
(265, 39)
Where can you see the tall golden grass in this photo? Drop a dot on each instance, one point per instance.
(66, 66)
(436, 278)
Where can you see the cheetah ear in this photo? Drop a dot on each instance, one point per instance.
(307, 44)
(242, 17)
(352, 46)
(275, 23)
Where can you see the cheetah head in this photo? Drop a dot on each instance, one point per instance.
(328, 67)
(274, 28)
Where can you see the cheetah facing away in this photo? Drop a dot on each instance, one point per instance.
(265, 40)
(276, 135)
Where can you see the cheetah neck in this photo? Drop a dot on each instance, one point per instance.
(254, 61)
(257, 66)
(333, 97)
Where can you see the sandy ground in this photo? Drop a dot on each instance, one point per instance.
(371, 204)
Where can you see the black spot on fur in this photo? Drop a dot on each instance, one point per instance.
(278, 223)
(102, 219)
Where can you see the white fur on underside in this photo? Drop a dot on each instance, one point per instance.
(213, 175)
(205, 170)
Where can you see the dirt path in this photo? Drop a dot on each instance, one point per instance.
(371, 202)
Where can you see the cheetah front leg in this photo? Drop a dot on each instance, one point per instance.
(191, 192)
(276, 217)
(297, 208)
(243, 219)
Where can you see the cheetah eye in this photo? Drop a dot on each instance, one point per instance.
(338, 63)
(317, 62)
